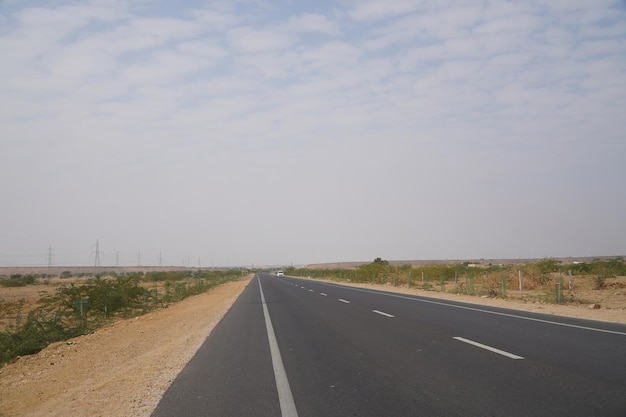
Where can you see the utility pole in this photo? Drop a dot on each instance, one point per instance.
(96, 262)
(50, 256)
(117, 258)
(138, 258)
(160, 259)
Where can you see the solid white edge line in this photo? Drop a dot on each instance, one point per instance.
(489, 348)
(382, 313)
(285, 397)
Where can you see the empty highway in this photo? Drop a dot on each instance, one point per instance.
(294, 347)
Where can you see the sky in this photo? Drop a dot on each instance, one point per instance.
(257, 132)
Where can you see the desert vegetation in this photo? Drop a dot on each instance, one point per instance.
(547, 280)
(80, 305)
(18, 280)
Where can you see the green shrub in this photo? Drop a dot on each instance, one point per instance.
(18, 280)
(39, 330)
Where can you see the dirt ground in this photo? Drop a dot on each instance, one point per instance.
(124, 369)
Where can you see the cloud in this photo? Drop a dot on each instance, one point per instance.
(164, 67)
(249, 40)
(215, 20)
(331, 56)
(313, 23)
(372, 10)
(57, 23)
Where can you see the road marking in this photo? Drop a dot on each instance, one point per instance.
(422, 300)
(285, 397)
(324, 294)
(489, 348)
(344, 301)
(382, 313)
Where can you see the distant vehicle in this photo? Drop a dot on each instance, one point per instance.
(280, 274)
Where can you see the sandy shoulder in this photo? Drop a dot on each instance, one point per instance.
(121, 370)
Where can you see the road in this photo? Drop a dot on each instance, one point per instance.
(293, 347)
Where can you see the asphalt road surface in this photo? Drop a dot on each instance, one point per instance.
(293, 347)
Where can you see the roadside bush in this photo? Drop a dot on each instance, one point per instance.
(105, 296)
(599, 281)
(18, 281)
(547, 266)
(537, 276)
(39, 330)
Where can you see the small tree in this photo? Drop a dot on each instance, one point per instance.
(381, 262)
(378, 268)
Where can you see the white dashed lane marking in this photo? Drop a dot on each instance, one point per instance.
(489, 348)
(382, 313)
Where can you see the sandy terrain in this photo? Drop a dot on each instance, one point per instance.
(124, 369)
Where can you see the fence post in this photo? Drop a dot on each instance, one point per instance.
(519, 275)
(570, 280)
